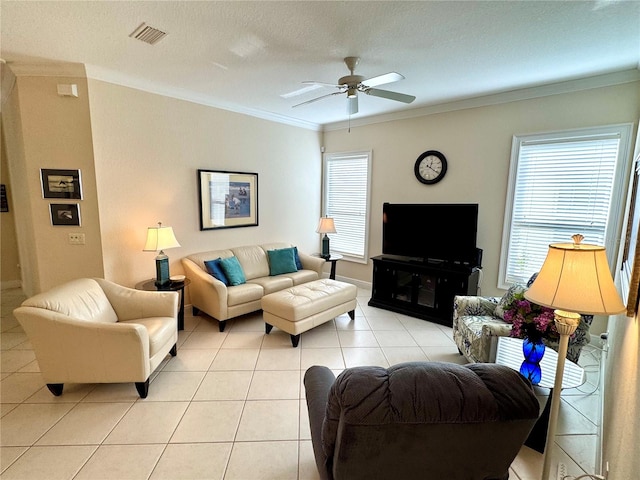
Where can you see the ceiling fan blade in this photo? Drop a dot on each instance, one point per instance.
(323, 84)
(399, 97)
(382, 79)
(316, 99)
(352, 105)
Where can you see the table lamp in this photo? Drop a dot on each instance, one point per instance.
(575, 279)
(326, 225)
(158, 239)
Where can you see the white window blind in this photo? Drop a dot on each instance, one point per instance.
(346, 200)
(562, 186)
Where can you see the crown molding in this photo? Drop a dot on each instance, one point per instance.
(50, 69)
(538, 91)
(109, 76)
(587, 83)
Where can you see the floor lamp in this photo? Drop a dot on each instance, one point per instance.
(574, 278)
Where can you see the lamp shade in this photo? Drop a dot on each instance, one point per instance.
(575, 277)
(160, 238)
(326, 225)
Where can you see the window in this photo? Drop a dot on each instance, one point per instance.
(346, 199)
(561, 184)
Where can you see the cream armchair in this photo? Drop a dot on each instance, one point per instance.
(95, 331)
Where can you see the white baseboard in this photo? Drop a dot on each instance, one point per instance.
(353, 281)
(10, 284)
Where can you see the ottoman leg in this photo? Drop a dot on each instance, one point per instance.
(267, 328)
(294, 340)
(352, 314)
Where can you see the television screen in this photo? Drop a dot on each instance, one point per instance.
(431, 232)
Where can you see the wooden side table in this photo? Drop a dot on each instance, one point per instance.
(333, 258)
(150, 286)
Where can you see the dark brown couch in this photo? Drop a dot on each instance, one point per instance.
(418, 420)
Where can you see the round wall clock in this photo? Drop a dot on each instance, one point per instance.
(430, 167)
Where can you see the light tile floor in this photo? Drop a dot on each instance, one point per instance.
(230, 405)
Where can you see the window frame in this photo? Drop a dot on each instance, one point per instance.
(337, 156)
(621, 175)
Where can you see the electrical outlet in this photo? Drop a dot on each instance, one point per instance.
(562, 471)
(76, 238)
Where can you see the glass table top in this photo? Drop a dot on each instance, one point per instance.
(509, 353)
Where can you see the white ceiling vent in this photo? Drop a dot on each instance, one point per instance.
(147, 34)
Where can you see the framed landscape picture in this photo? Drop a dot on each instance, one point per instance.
(65, 214)
(61, 183)
(227, 199)
(630, 274)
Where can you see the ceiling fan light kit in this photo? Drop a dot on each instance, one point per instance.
(352, 84)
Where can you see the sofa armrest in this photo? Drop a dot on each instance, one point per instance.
(309, 262)
(130, 304)
(317, 383)
(206, 292)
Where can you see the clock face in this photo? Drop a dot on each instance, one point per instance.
(430, 167)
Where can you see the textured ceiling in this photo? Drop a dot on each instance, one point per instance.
(245, 55)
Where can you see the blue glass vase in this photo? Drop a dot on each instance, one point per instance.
(533, 351)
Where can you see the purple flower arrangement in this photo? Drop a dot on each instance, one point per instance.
(530, 320)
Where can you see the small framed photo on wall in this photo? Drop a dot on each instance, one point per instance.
(65, 214)
(61, 183)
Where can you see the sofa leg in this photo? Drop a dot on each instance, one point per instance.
(174, 350)
(221, 325)
(55, 388)
(143, 388)
(267, 328)
(352, 314)
(195, 310)
(294, 340)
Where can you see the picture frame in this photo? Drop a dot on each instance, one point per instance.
(58, 183)
(630, 274)
(227, 199)
(4, 203)
(65, 214)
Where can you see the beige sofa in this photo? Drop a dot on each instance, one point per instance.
(223, 302)
(91, 330)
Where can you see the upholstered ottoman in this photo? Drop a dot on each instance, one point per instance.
(300, 308)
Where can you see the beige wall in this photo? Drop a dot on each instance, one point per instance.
(10, 260)
(477, 144)
(148, 149)
(45, 130)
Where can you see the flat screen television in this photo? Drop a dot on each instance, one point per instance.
(431, 232)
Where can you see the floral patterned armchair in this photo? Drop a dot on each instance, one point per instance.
(478, 322)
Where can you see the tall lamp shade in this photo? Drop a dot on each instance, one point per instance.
(326, 225)
(575, 279)
(158, 239)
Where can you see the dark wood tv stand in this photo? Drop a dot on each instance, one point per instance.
(421, 289)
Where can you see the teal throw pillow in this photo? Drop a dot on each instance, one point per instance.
(215, 269)
(297, 258)
(281, 261)
(233, 270)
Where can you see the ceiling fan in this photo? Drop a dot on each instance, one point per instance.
(352, 84)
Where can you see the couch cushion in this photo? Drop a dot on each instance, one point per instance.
(507, 298)
(81, 299)
(245, 293)
(282, 261)
(273, 284)
(233, 271)
(215, 269)
(253, 260)
(302, 276)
